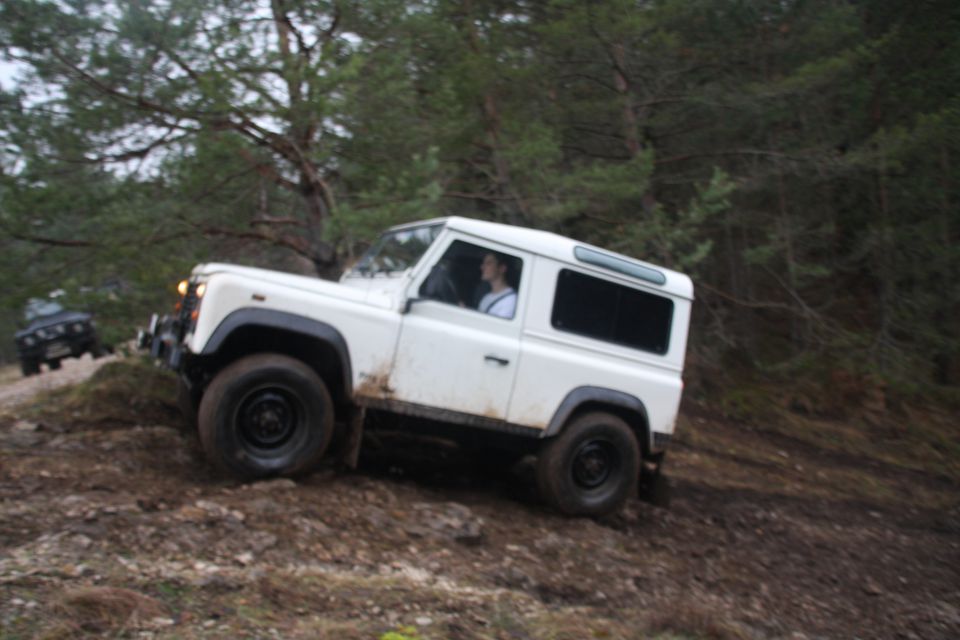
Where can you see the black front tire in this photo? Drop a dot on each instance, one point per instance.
(264, 415)
(29, 367)
(54, 365)
(591, 468)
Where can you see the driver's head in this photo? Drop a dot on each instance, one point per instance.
(493, 267)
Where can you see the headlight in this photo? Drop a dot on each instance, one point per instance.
(58, 330)
(29, 341)
(182, 287)
(77, 327)
(41, 334)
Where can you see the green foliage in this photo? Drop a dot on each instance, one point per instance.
(800, 160)
(401, 633)
(410, 193)
(127, 392)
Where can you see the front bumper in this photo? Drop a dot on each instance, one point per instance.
(163, 338)
(66, 345)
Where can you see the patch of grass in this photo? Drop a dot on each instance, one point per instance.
(920, 440)
(402, 633)
(572, 624)
(506, 623)
(126, 392)
(839, 421)
(746, 403)
(807, 456)
(258, 615)
(332, 629)
(688, 622)
(102, 610)
(172, 591)
(19, 627)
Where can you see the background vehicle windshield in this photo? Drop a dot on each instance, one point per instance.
(397, 250)
(40, 308)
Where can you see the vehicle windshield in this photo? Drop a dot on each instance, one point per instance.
(397, 250)
(40, 308)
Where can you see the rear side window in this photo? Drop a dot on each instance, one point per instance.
(611, 312)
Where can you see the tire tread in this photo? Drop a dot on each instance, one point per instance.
(555, 484)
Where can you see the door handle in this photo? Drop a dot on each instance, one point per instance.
(500, 361)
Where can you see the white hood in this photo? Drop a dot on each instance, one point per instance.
(380, 292)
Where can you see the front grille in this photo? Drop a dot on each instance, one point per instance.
(186, 318)
(189, 302)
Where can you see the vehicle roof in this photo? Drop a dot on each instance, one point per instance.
(559, 248)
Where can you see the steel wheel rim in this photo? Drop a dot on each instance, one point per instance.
(268, 420)
(594, 463)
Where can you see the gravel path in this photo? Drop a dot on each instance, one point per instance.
(74, 370)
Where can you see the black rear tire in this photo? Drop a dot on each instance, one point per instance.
(29, 367)
(54, 365)
(266, 414)
(591, 468)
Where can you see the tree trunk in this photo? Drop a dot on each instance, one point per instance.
(509, 204)
(631, 137)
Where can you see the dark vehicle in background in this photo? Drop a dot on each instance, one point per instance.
(52, 333)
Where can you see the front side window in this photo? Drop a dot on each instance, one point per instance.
(475, 277)
(397, 251)
(611, 312)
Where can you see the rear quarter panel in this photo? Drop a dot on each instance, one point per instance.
(553, 363)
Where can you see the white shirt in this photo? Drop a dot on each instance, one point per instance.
(502, 304)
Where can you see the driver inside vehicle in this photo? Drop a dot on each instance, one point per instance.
(501, 301)
(475, 277)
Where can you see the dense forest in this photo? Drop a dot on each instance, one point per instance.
(800, 159)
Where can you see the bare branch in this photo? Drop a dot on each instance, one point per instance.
(294, 243)
(733, 152)
(747, 304)
(334, 23)
(268, 171)
(47, 241)
(221, 183)
(133, 154)
(270, 221)
(301, 43)
(591, 154)
(477, 196)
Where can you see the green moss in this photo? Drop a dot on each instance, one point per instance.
(126, 392)
(402, 633)
(746, 403)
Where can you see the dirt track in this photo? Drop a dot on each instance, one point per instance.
(766, 538)
(16, 389)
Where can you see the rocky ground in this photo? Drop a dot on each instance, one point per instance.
(112, 524)
(15, 389)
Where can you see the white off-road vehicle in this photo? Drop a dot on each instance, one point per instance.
(567, 351)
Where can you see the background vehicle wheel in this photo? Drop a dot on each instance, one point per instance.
(188, 405)
(591, 468)
(29, 367)
(97, 350)
(54, 365)
(266, 414)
